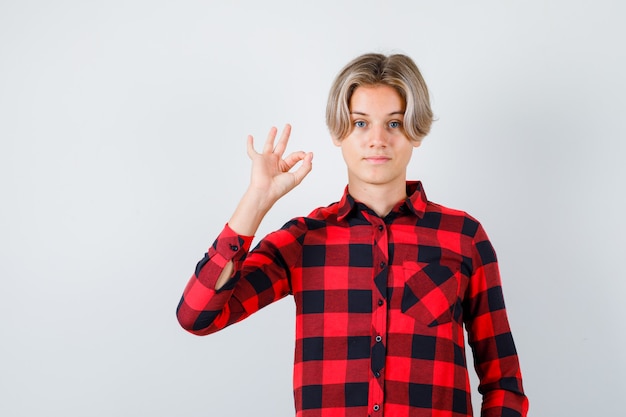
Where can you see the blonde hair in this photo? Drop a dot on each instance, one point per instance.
(397, 71)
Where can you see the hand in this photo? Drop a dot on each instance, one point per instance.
(271, 176)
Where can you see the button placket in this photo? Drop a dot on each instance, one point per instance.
(379, 316)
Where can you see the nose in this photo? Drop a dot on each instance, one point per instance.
(377, 136)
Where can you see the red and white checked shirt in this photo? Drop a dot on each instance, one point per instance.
(380, 308)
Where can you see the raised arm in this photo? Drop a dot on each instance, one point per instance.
(208, 304)
(270, 179)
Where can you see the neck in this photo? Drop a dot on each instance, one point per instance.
(381, 199)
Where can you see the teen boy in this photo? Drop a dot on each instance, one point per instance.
(383, 280)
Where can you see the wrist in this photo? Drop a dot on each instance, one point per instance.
(249, 213)
(258, 200)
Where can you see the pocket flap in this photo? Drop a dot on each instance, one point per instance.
(430, 293)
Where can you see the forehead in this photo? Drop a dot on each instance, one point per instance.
(376, 99)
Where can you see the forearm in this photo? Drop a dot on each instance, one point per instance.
(500, 376)
(207, 307)
(245, 221)
(250, 212)
(203, 308)
(504, 403)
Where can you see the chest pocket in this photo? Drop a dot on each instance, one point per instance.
(430, 292)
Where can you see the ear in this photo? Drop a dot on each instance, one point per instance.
(416, 143)
(336, 142)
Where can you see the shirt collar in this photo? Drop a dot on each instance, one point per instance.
(415, 202)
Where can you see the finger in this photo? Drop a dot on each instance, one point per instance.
(250, 147)
(269, 142)
(304, 169)
(282, 142)
(292, 159)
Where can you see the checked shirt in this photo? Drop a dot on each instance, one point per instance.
(380, 308)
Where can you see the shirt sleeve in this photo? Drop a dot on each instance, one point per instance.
(260, 277)
(489, 334)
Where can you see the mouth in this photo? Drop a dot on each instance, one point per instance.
(377, 159)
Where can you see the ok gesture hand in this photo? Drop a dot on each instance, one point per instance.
(271, 176)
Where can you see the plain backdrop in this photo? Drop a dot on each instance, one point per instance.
(122, 155)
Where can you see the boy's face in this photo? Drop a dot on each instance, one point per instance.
(376, 151)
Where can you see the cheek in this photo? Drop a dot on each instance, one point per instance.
(347, 154)
(349, 149)
(406, 154)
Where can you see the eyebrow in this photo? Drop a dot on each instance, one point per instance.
(393, 113)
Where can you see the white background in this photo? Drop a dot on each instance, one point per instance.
(122, 155)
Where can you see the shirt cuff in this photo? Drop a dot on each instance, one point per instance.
(231, 246)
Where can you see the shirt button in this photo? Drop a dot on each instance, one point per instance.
(381, 302)
(376, 407)
(380, 227)
(382, 264)
(234, 247)
(379, 339)
(377, 374)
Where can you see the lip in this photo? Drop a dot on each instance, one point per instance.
(377, 159)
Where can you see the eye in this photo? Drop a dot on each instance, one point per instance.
(359, 123)
(395, 124)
